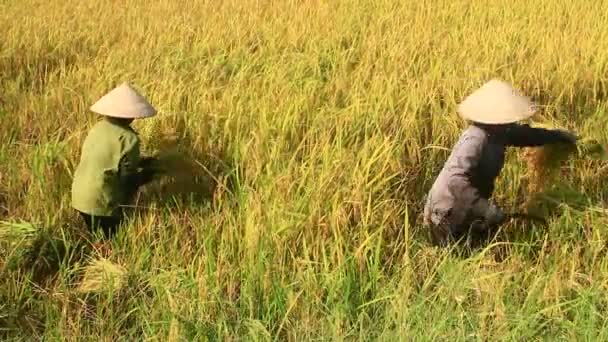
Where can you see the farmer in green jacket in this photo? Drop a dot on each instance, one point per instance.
(111, 169)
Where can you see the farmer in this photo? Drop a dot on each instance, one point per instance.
(458, 203)
(111, 170)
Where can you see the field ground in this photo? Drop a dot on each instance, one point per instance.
(307, 134)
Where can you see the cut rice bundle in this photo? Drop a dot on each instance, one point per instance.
(166, 141)
(14, 230)
(101, 275)
(544, 163)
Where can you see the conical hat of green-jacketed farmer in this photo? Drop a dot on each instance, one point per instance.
(124, 102)
(496, 102)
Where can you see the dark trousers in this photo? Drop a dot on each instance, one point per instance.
(108, 224)
(472, 234)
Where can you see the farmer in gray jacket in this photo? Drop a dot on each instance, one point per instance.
(458, 203)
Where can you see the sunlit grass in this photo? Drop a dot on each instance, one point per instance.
(300, 138)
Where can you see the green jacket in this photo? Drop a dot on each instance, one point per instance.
(110, 154)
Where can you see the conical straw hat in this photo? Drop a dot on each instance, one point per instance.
(124, 102)
(496, 102)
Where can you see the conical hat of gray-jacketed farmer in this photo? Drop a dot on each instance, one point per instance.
(124, 102)
(496, 102)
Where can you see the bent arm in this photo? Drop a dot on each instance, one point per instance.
(526, 136)
(131, 177)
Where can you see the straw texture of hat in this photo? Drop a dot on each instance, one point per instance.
(124, 102)
(496, 102)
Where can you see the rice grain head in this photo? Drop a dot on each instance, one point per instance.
(164, 133)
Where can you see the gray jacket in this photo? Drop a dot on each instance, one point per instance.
(468, 175)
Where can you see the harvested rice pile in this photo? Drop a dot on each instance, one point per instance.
(102, 274)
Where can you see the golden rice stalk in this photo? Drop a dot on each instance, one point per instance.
(102, 274)
(175, 163)
(3, 199)
(164, 133)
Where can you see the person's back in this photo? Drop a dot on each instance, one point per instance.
(451, 195)
(96, 188)
(111, 169)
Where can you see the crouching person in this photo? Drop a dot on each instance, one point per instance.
(459, 203)
(111, 170)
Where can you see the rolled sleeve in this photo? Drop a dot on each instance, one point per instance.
(129, 161)
(128, 167)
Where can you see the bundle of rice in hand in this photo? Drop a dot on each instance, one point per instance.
(174, 163)
(543, 166)
(172, 146)
(175, 155)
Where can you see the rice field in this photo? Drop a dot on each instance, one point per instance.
(301, 137)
